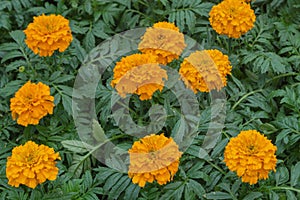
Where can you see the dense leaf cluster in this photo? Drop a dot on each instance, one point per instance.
(262, 93)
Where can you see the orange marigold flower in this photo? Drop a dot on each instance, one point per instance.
(47, 34)
(138, 74)
(251, 155)
(166, 25)
(232, 18)
(163, 40)
(31, 103)
(31, 164)
(205, 70)
(153, 158)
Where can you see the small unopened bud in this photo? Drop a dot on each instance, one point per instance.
(21, 69)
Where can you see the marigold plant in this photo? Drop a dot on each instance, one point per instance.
(232, 18)
(153, 158)
(163, 40)
(31, 103)
(205, 70)
(31, 164)
(138, 74)
(251, 155)
(47, 34)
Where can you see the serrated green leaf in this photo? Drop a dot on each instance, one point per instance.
(54, 75)
(267, 128)
(295, 175)
(76, 146)
(281, 175)
(111, 181)
(15, 65)
(218, 195)
(10, 88)
(89, 41)
(66, 90)
(196, 188)
(87, 180)
(98, 132)
(253, 195)
(290, 195)
(18, 36)
(273, 195)
(11, 55)
(235, 187)
(119, 187)
(225, 186)
(9, 46)
(219, 148)
(63, 78)
(88, 7)
(67, 103)
(132, 192)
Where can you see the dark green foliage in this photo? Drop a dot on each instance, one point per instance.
(262, 93)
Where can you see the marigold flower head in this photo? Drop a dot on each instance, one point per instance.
(47, 34)
(232, 18)
(31, 164)
(31, 103)
(251, 155)
(138, 74)
(166, 25)
(153, 158)
(205, 70)
(163, 40)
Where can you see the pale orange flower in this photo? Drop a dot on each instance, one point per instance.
(138, 74)
(251, 155)
(31, 164)
(205, 70)
(47, 34)
(31, 103)
(153, 158)
(232, 18)
(164, 41)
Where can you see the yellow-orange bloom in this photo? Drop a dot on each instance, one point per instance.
(166, 25)
(138, 74)
(163, 40)
(251, 155)
(31, 103)
(31, 164)
(47, 34)
(232, 18)
(153, 158)
(205, 70)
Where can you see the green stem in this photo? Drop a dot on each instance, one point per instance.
(58, 90)
(285, 188)
(216, 167)
(95, 148)
(226, 135)
(248, 122)
(244, 97)
(138, 12)
(28, 62)
(127, 107)
(282, 75)
(295, 84)
(27, 133)
(229, 46)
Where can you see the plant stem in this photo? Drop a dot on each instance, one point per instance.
(244, 97)
(285, 188)
(229, 46)
(94, 149)
(216, 167)
(282, 75)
